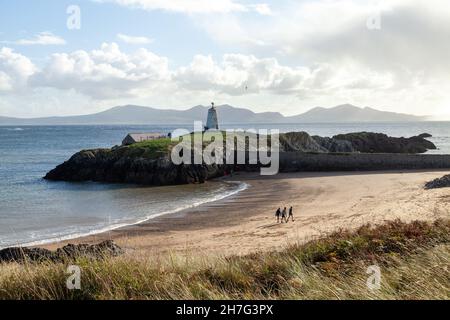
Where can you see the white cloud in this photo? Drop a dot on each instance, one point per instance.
(194, 6)
(42, 38)
(134, 39)
(5, 82)
(413, 36)
(409, 54)
(108, 74)
(239, 74)
(316, 53)
(15, 69)
(105, 73)
(262, 9)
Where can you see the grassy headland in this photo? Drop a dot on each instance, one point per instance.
(414, 260)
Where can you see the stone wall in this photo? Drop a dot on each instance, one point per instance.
(296, 161)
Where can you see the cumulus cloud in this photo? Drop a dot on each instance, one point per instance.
(109, 73)
(239, 74)
(193, 6)
(105, 73)
(42, 38)
(15, 69)
(134, 39)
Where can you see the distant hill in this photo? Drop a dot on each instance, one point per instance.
(350, 113)
(227, 114)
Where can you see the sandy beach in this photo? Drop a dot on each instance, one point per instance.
(323, 202)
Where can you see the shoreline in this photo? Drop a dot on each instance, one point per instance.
(241, 186)
(244, 223)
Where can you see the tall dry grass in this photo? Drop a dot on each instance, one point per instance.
(414, 260)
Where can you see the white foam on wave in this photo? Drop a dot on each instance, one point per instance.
(241, 187)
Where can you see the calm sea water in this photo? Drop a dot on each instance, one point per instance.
(35, 211)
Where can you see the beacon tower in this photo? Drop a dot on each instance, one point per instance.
(212, 123)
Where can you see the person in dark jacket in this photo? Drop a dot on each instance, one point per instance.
(278, 215)
(291, 214)
(284, 215)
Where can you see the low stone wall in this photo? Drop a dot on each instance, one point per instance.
(296, 161)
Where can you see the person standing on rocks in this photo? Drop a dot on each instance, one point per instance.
(283, 215)
(278, 214)
(291, 214)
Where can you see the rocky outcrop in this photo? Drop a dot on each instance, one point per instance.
(131, 165)
(140, 164)
(299, 141)
(334, 145)
(443, 182)
(365, 142)
(69, 252)
(369, 142)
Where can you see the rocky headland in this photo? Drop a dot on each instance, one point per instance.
(149, 163)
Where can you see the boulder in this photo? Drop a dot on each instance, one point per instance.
(443, 182)
(26, 254)
(69, 252)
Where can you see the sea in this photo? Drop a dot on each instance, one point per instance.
(34, 211)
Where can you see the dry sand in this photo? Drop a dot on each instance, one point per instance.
(323, 202)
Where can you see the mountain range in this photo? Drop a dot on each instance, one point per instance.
(134, 115)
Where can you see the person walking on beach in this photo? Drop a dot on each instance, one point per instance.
(283, 215)
(291, 214)
(278, 214)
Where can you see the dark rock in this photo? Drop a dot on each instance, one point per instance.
(96, 251)
(26, 254)
(299, 141)
(369, 142)
(125, 165)
(425, 135)
(68, 252)
(443, 182)
(334, 145)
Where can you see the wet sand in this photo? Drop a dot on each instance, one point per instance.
(323, 202)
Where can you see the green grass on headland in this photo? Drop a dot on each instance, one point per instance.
(150, 149)
(414, 260)
(157, 145)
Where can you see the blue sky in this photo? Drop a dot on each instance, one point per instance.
(286, 56)
(101, 22)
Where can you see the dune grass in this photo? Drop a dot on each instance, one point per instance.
(414, 260)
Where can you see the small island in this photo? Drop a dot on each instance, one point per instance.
(149, 162)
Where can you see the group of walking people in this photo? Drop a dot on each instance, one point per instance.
(283, 216)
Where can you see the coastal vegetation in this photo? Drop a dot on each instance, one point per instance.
(157, 145)
(413, 258)
(151, 149)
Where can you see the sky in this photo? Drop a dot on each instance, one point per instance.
(79, 57)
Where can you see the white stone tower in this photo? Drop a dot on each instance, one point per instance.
(212, 123)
